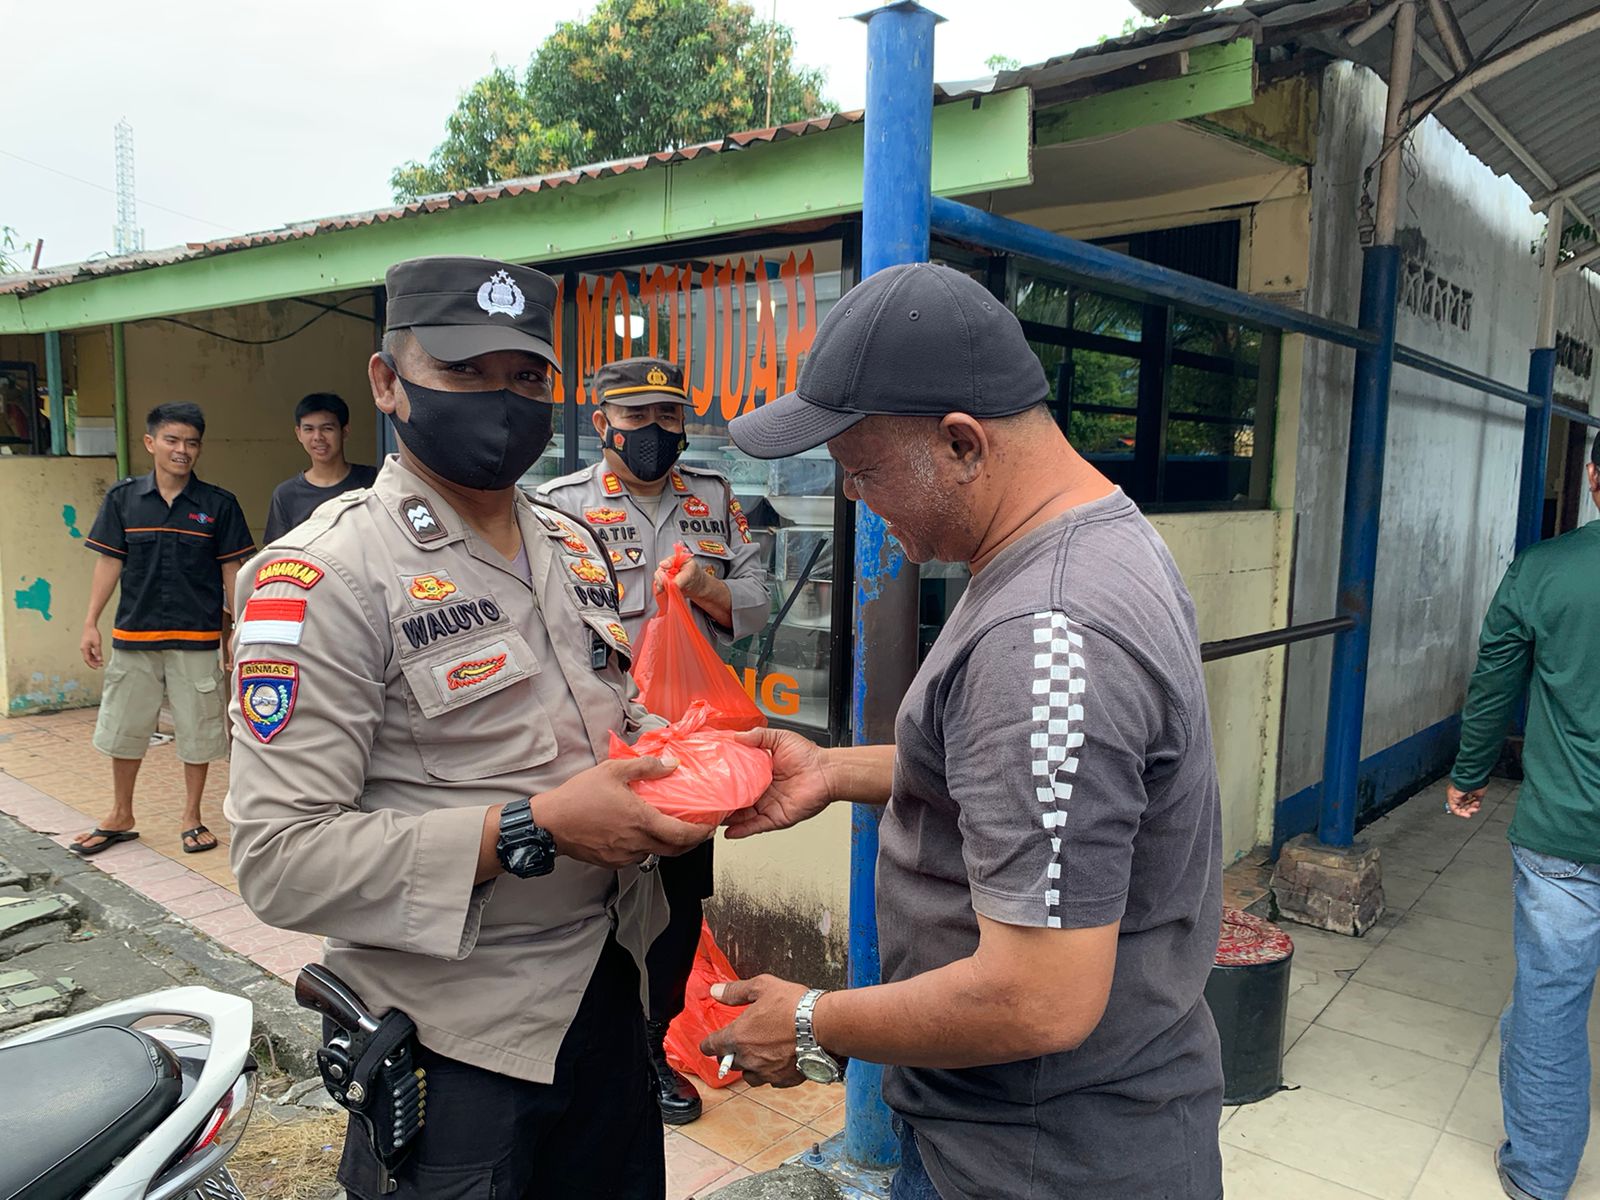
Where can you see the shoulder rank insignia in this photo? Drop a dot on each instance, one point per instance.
(605, 516)
(588, 572)
(266, 695)
(611, 484)
(711, 547)
(696, 507)
(418, 514)
(550, 523)
(678, 485)
(289, 570)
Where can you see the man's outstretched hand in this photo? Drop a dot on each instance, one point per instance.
(799, 787)
(762, 1039)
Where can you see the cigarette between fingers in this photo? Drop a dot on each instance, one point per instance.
(724, 1066)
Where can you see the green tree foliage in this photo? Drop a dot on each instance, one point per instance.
(633, 77)
(12, 251)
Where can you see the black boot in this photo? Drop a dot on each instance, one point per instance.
(679, 1102)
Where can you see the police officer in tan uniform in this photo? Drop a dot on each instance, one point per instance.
(639, 502)
(428, 673)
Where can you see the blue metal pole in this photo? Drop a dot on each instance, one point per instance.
(1358, 548)
(896, 191)
(58, 401)
(1535, 447)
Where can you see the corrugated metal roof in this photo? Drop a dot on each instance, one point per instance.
(1550, 105)
(1265, 22)
(30, 282)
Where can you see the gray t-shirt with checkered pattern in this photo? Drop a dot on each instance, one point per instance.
(1054, 768)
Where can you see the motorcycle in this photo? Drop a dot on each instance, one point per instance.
(108, 1106)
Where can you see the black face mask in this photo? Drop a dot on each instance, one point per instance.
(480, 440)
(648, 452)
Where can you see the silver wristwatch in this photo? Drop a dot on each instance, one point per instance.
(815, 1063)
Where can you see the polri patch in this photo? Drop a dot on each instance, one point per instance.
(418, 514)
(578, 546)
(433, 588)
(289, 570)
(267, 691)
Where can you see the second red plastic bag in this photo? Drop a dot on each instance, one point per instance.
(677, 666)
(701, 1015)
(716, 775)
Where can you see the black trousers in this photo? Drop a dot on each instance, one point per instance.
(593, 1133)
(687, 882)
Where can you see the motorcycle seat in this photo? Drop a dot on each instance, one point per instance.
(72, 1105)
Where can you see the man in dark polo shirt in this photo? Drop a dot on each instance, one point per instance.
(1049, 875)
(174, 544)
(321, 425)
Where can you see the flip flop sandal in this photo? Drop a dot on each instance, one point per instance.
(111, 838)
(192, 843)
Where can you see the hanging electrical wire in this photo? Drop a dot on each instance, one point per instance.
(282, 337)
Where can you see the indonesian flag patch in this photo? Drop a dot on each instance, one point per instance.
(274, 619)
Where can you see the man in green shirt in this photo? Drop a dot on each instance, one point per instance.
(1542, 635)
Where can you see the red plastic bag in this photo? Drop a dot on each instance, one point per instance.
(677, 666)
(701, 1015)
(716, 775)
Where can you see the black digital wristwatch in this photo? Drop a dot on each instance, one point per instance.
(524, 848)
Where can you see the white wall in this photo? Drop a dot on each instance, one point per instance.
(1453, 456)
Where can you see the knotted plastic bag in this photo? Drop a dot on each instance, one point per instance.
(701, 1015)
(676, 666)
(716, 775)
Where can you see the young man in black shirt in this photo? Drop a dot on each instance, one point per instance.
(321, 425)
(174, 545)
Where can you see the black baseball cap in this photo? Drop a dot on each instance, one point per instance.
(632, 382)
(460, 308)
(913, 340)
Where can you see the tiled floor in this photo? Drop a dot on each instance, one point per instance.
(1392, 1036)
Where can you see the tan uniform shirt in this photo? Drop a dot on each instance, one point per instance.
(396, 677)
(697, 508)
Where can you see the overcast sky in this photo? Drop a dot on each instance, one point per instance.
(249, 114)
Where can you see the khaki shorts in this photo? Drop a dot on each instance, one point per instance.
(136, 682)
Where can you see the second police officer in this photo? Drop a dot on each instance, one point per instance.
(428, 676)
(640, 501)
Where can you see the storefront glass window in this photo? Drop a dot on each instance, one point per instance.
(740, 325)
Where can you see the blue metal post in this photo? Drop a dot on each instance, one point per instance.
(58, 401)
(1358, 548)
(1535, 447)
(896, 194)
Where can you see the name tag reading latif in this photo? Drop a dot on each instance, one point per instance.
(598, 650)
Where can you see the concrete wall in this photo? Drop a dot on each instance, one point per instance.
(1450, 489)
(249, 392)
(49, 504)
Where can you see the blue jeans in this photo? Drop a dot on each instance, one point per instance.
(911, 1181)
(1544, 1040)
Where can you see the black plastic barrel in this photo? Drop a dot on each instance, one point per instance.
(1248, 992)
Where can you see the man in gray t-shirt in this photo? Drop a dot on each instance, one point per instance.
(1049, 865)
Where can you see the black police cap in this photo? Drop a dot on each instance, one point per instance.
(633, 382)
(459, 308)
